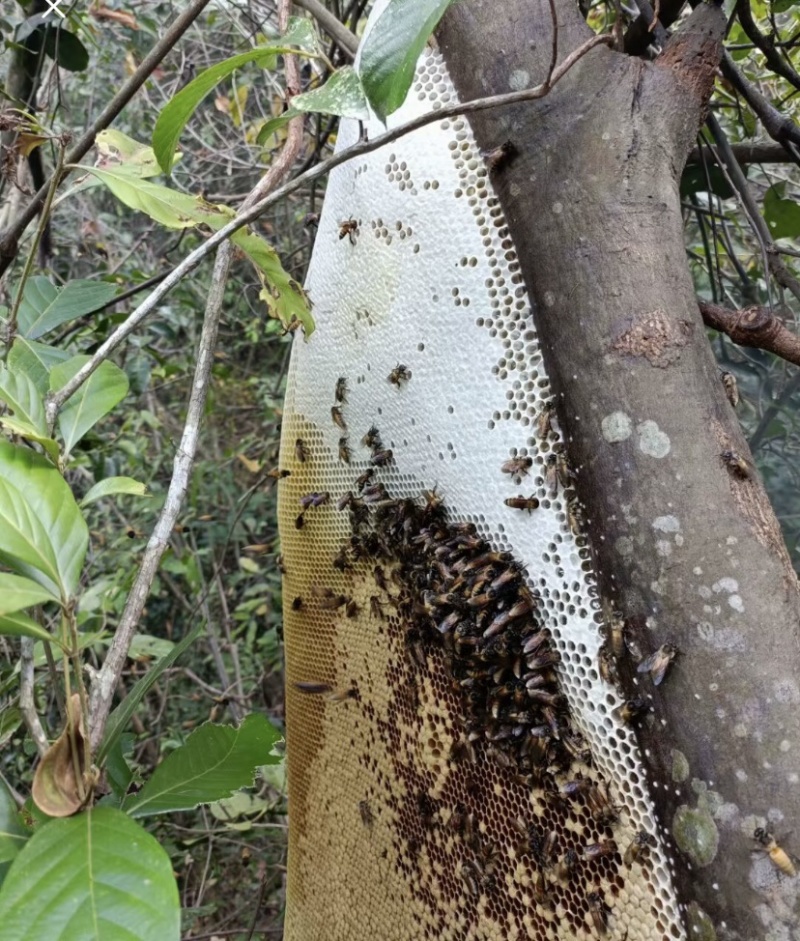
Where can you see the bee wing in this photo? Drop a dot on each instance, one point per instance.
(656, 665)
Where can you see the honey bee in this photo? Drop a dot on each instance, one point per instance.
(345, 500)
(341, 560)
(349, 228)
(293, 325)
(658, 663)
(300, 451)
(615, 630)
(277, 473)
(382, 458)
(380, 577)
(300, 520)
(351, 609)
(314, 499)
(363, 479)
(344, 451)
(780, 858)
(736, 464)
(544, 423)
(311, 220)
(517, 466)
(637, 847)
(522, 503)
(576, 518)
(539, 887)
(607, 665)
(566, 865)
(599, 850)
(631, 709)
(313, 689)
(372, 439)
(399, 375)
(340, 393)
(577, 788)
(365, 811)
(730, 386)
(297, 603)
(599, 911)
(338, 418)
(500, 156)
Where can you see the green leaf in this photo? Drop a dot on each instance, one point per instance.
(119, 718)
(25, 430)
(23, 625)
(42, 532)
(118, 771)
(215, 761)
(274, 124)
(147, 647)
(13, 835)
(392, 47)
(18, 592)
(171, 208)
(10, 721)
(285, 298)
(20, 394)
(694, 180)
(172, 120)
(782, 215)
(66, 49)
(112, 485)
(35, 360)
(104, 389)
(97, 876)
(342, 94)
(137, 158)
(45, 307)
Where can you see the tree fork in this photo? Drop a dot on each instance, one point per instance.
(687, 545)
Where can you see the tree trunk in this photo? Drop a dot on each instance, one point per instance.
(686, 545)
(444, 780)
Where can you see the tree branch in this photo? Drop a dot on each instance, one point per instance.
(751, 153)
(778, 126)
(753, 326)
(345, 40)
(775, 60)
(27, 705)
(10, 238)
(639, 35)
(193, 259)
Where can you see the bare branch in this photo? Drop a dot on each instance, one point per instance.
(775, 60)
(193, 259)
(751, 153)
(27, 705)
(345, 40)
(778, 126)
(753, 326)
(10, 238)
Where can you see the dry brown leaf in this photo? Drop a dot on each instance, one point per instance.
(56, 788)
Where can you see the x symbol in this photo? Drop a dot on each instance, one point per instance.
(53, 5)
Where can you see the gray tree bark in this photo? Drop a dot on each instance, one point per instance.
(686, 542)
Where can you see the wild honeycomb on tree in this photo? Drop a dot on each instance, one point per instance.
(458, 767)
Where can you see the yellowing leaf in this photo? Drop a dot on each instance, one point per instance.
(253, 466)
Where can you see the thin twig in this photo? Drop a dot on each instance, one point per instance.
(27, 706)
(775, 60)
(772, 410)
(193, 259)
(10, 238)
(554, 49)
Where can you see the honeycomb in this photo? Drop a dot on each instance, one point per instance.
(461, 764)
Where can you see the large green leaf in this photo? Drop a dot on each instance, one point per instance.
(119, 718)
(20, 624)
(45, 307)
(215, 761)
(116, 147)
(173, 117)
(342, 94)
(20, 394)
(112, 485)
(394, 43)
(13, 835)
(42, 532)
(35, 360)
(782, 215)
(18, 592)
(97, 876)
(105, 388)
